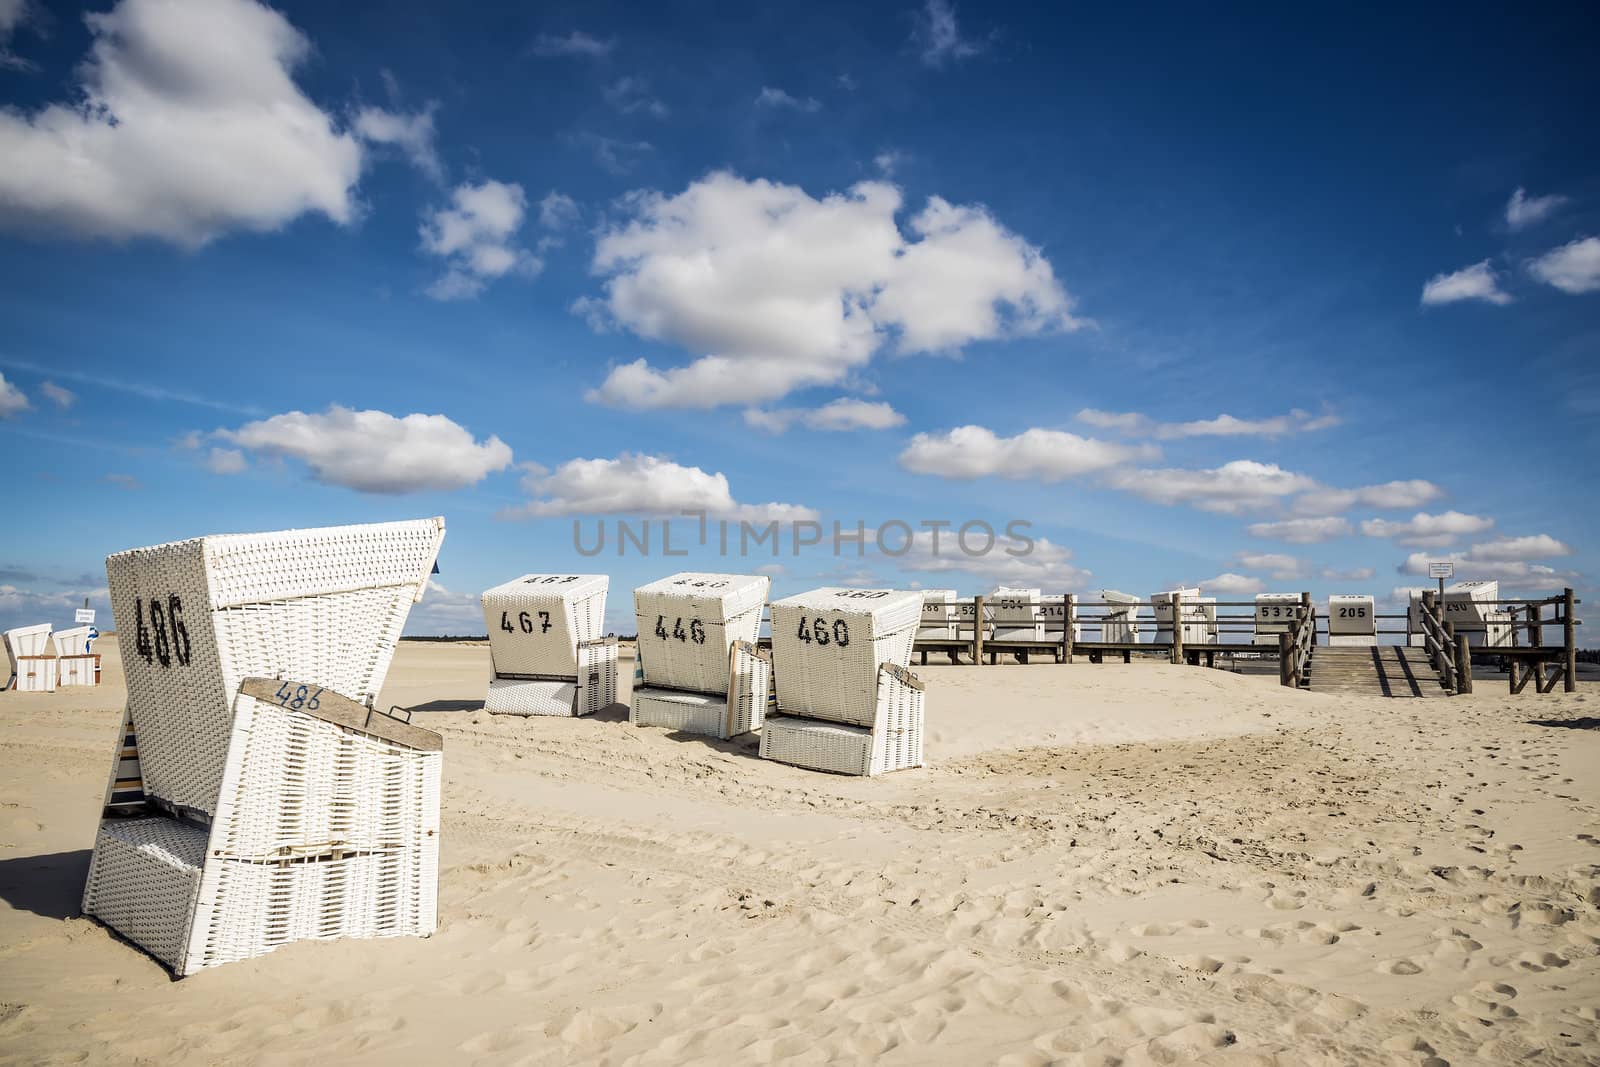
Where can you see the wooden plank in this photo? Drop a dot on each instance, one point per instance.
(340, 710)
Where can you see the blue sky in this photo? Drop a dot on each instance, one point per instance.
(1257, 302)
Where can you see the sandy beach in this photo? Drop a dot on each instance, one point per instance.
(1101, 864)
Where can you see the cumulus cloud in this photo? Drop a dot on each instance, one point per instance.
(1132, 423)
(1388, 496)
(838, 415)
(187, 125)
(226, 461)
(1047, 566)
(1523, 210)
(413, 134)
(1477, 282)
(631, 95)
(1470, 564)
(442, 612)
(375, 452)
(557, 211)
(27, 607)
(576, 43)
(937, 35)
(775, 290)
(1279, 567)
(1049, 455)
(1302, 531)
(1535, 546)
(1427, 531)
(778, 99)
(475, 235)
(1354, 574)
(888, 161)
(1572, 268)
(13, 401)
(60, 396)
(1229, 582)
(1234, 488)
(635, 484)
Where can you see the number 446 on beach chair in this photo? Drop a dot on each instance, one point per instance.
(256, 798)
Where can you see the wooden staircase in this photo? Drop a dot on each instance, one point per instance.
(1386, 670)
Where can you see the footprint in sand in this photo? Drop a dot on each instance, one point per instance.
(1400, 966)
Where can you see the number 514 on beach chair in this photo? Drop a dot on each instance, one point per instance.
(255, 796)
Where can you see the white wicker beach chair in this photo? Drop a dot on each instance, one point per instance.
(1017, 614)
(1199, 616)
(698, 668)
(32, 663)
(546, 644)
(846, 702)
(76, 661)
(938, 621)
(255, 797)
(1352, 620)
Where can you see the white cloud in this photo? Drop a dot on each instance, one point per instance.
(375, 452)
(635, 484)
(557, 211)
(1504, 549)
(630, 95)
(1279, 567)
(1523, 210)
(576, 43)
(13, 15)
(1572, 268)
(1477, 282)
(838, 415)
(1302, 531)
(441, 612)
(1427, 531)
(613, 154)
(775, 290)
(1229, 582)
(938, 36)
(226, 461)
(777, 98)
(12, 399)
(28, 607)
(1046, 566)
(1521, 573)
(189, 125)
(58, 395)
(1296, 421)
(1355, 574)
(889, 161)
(474, 235)
(1049, 455)
(413, 134)
(1389, 496)
(1233, 488)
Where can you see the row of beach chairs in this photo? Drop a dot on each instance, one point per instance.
(41, 659)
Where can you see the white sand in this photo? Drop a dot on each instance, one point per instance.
(1103, 864)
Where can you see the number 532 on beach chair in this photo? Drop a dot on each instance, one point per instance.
(255, 797)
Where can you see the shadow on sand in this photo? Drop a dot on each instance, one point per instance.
(49, 885)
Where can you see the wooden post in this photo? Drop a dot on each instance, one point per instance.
(1427, 613)
(1463, 653)
(1306, 613)
(1285, 644)
(1569, 638)
(1447, 655)
(1068, 603)
(1177, 628)
(1536, 625)
(977, 630)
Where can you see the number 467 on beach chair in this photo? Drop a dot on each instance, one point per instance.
(546, 646)
(256, 798)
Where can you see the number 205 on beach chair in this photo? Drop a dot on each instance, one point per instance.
(546, 643)
(255, 796)
(699, 670)
(846, 701)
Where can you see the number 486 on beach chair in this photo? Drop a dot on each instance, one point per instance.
(256, 798)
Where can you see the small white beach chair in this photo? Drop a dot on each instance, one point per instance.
(846, 701)
(1121, 611)
(1199, 620)
(33, 664)
(548, 652)
(939, 613)
(76, 661)
(1276, 613)
(255, 797)
(699, 670)
(1017, 614)
(1353, 620)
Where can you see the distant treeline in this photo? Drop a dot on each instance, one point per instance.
(466, 637)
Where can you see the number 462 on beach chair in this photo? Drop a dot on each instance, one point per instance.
(256, 798)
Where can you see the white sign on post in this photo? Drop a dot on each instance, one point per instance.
(1441, 570)
(84, 615)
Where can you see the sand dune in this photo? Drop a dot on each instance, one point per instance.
(1102, 864)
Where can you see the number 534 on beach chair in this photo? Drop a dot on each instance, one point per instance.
(255, 797)
(546, 644)
(846, 701)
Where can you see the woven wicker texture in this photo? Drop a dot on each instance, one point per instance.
(331, 606)
(893, 743)
(590, 687)
(689, 621)
(827, 645)
(740, 710)
(1018, 614)
(536, 622)
(321, 830)
(144, 879)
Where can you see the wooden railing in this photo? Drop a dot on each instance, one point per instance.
(1294, 648)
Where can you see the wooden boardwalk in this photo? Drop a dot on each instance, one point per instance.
(1387, 670)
